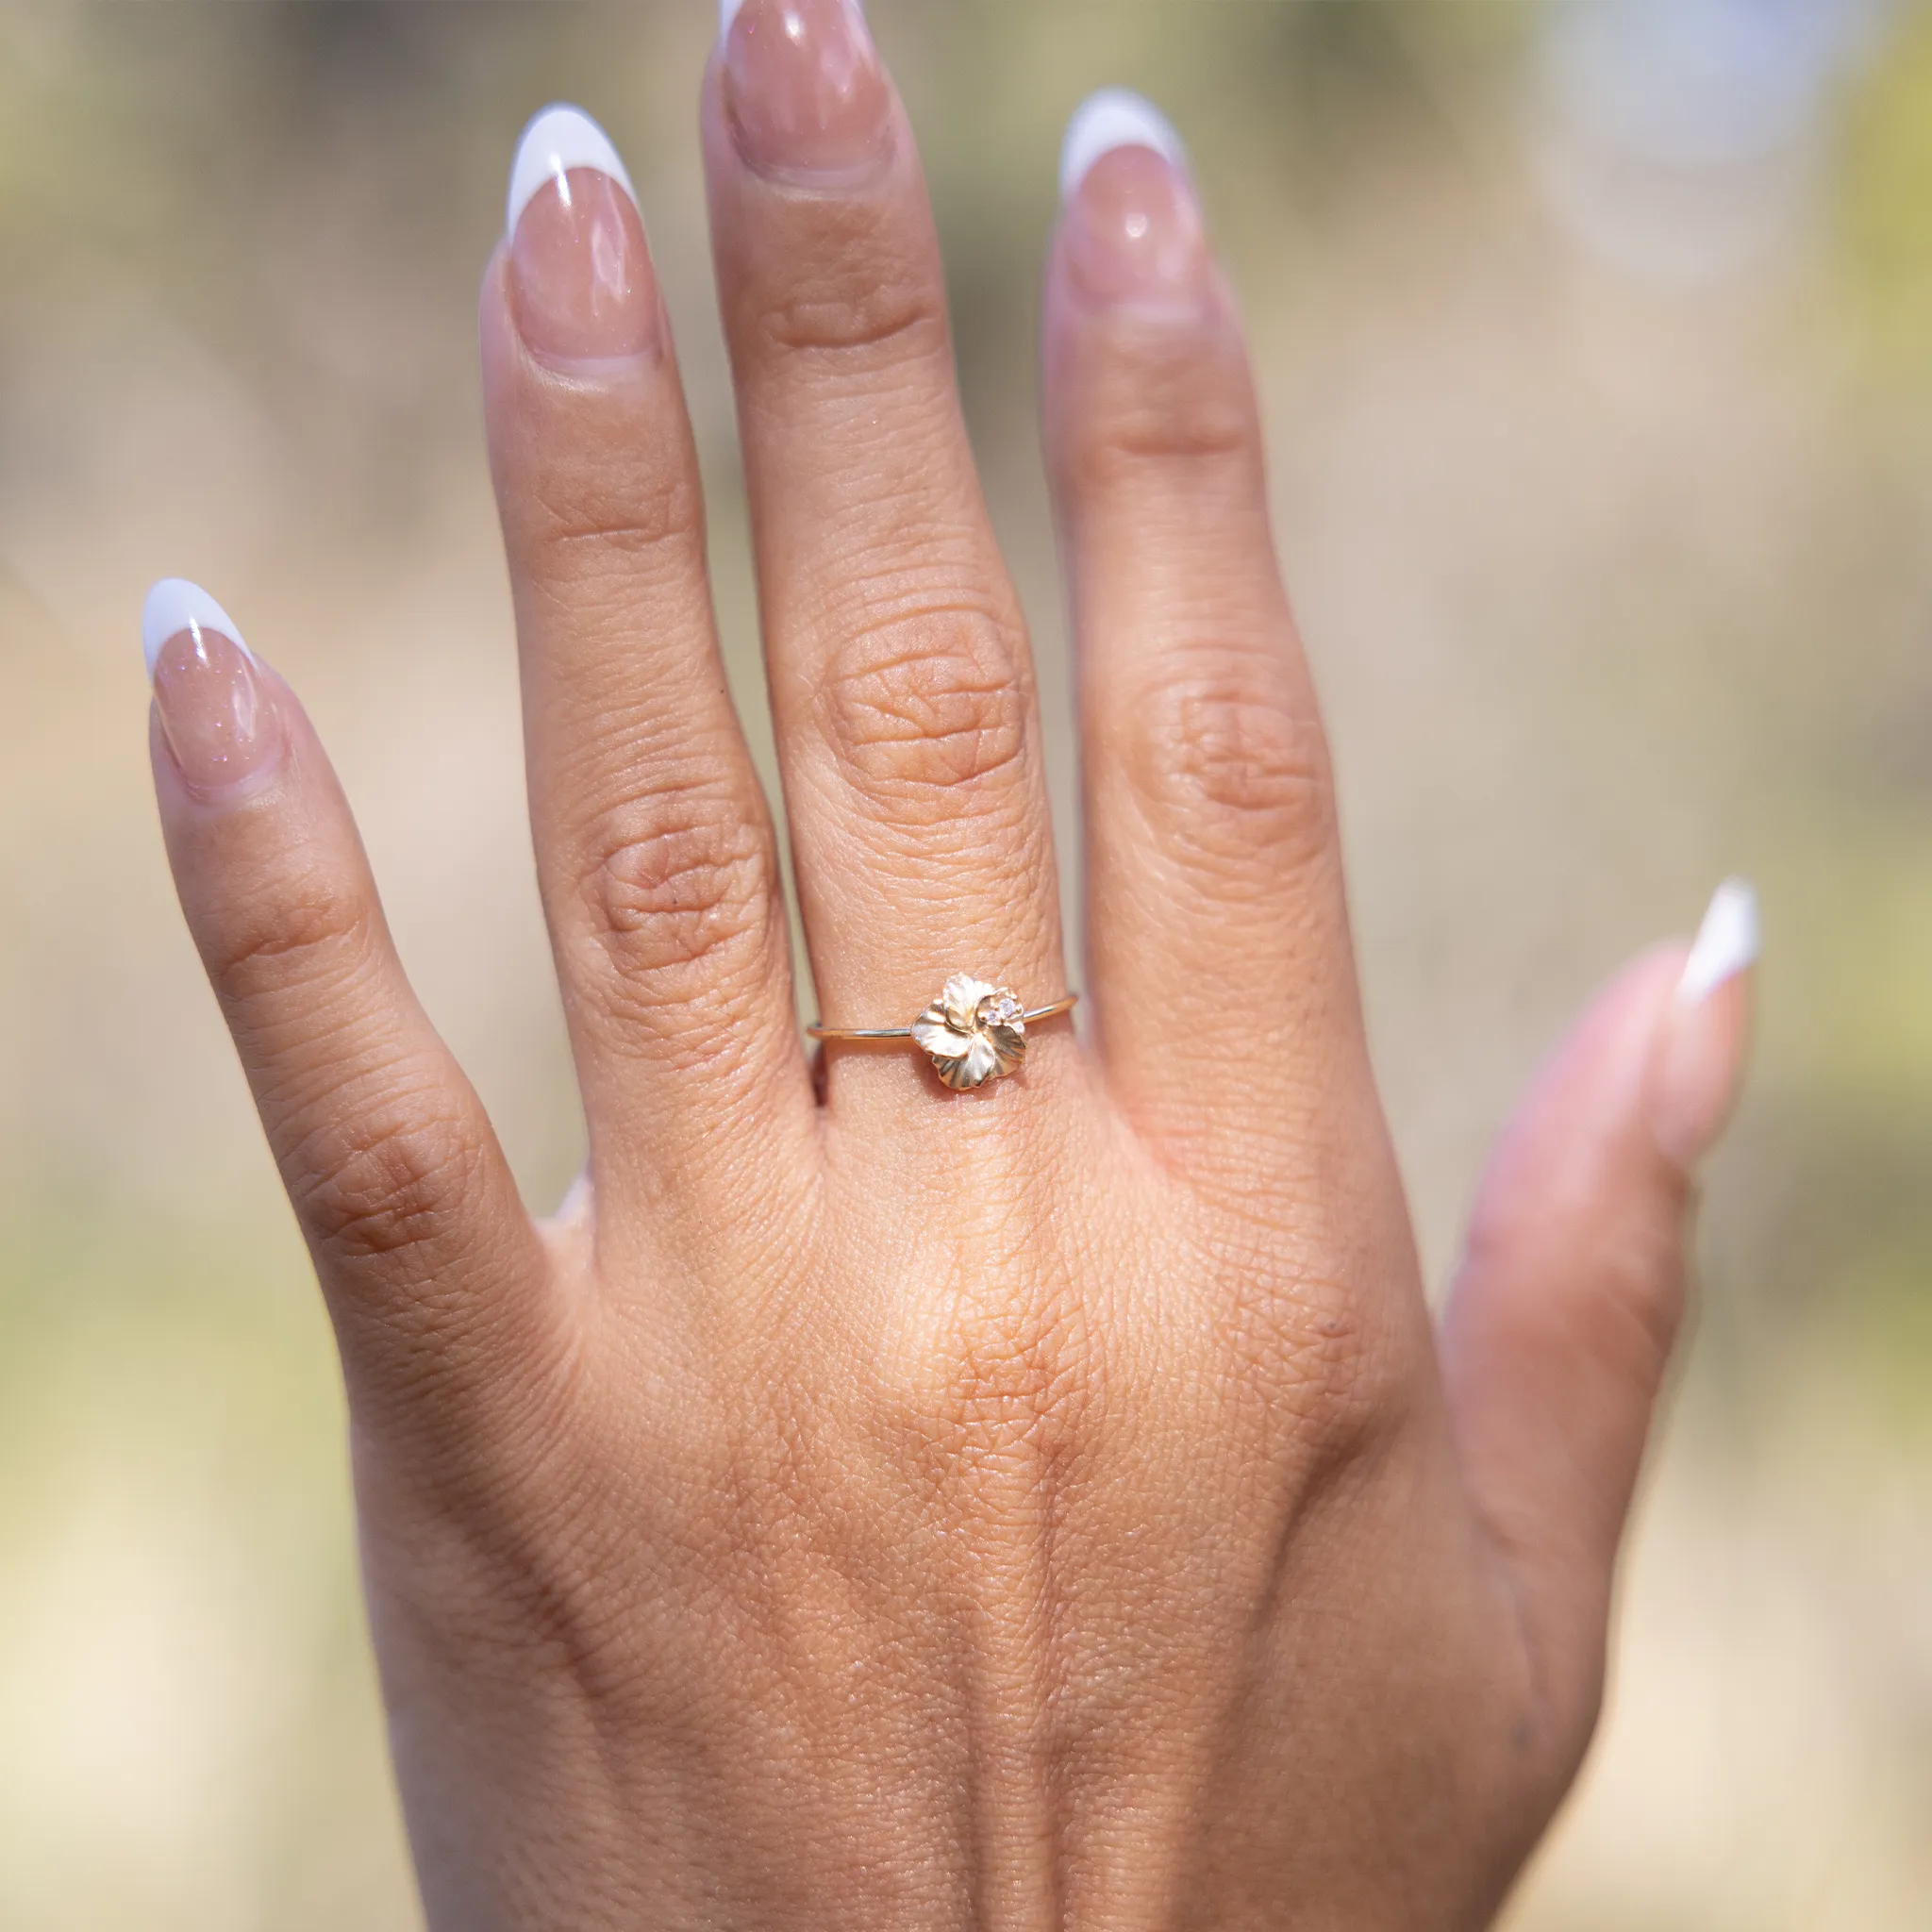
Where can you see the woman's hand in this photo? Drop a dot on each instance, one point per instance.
(869, 1505)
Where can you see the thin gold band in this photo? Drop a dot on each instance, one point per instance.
(819, 1032)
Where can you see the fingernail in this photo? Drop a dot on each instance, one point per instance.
(805, 95)
(215, 714)
(1133, 224)
(1700, 1055)
(582, 287)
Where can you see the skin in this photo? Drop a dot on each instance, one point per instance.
(866, 1505)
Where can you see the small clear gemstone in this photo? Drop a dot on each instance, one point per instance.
(1002, 1009)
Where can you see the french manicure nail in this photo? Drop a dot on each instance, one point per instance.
(220, 727)
(581, 282)
(1133, 224)
(1698, 1064)
(805, 95)
(1727, 943)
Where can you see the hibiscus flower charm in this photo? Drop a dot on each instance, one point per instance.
(973, 1033)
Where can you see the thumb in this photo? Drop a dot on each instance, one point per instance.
(1562, 1319)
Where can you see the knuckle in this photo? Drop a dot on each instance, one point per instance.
(597, 519)
(309, 931)
(930, 711)
(1342, 1367)
(862, 316)
(1014, 1367)
(679, 879)
(999, 1392)
(1206, 440)
(1354, 1390)
(384, 1188)
(1231, 770)
(1165, 404)
(1640, 1312)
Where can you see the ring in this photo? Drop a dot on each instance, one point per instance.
(973, 1033)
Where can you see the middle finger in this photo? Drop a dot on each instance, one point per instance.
(902, 684)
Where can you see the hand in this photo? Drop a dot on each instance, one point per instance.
(868, 1505)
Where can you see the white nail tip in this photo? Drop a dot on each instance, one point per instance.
(1727, 942)
(731, 8)
(559, 139)
(728, 9)
(1110, 119)
(174, 606)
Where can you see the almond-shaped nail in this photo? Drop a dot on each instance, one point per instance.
(1699, 1059)
(221, 730)
(582, 288)
(805, 96)
(1134, 231)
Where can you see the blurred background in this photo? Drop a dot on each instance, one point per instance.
(1596, 342)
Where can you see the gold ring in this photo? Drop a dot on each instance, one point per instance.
(973, 1033)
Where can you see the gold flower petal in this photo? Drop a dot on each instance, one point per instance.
(974, 1069)
(961, 1000)
(939, 1036)
(1008, 1044)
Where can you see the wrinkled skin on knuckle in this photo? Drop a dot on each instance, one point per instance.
(1232, 771)
(928, 714)
(384, 1186)
(618, 515)
(1147, 396)
(307, 933)
(854, 297)
(682, 882)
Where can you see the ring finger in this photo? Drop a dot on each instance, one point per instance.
(902, 684)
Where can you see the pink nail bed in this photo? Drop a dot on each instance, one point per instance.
(1133, 224)
(804, 91)
(581, 282)
(221, 725)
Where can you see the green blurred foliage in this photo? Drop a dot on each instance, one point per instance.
(1884, 183)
